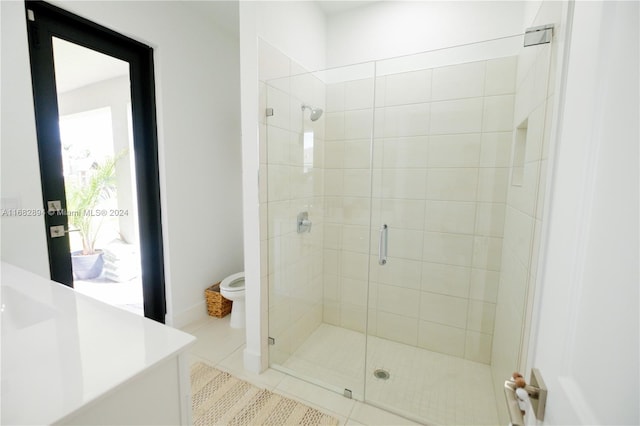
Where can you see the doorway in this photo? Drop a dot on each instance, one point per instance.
(95, 118)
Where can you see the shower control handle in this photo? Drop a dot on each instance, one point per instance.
(382, 245)
(304, 224)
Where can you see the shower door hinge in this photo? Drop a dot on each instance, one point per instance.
(272, 341)
(538, 35)
(269, 112)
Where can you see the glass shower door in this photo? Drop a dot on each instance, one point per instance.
(443, 172)
(317, 203)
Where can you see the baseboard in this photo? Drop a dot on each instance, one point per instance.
(252, 362)
(195, 313)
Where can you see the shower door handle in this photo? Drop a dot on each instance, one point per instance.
(382, 245)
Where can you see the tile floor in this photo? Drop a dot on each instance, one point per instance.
(221, 346)
(430, 386)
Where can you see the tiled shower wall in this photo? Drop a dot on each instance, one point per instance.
(440, 171)
(291, 148)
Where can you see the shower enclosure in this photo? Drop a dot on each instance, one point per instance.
(401, 203)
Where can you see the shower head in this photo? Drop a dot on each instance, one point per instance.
(316, 113)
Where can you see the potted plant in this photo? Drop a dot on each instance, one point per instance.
(83, 198)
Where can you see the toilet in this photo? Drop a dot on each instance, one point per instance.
(232, 288)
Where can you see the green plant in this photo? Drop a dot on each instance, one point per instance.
(84, 197)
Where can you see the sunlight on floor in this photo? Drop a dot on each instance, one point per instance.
(126, 295)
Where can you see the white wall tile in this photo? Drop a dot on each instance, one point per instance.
(353, 292)
(444, 279)
(355, 238)
(263, 194)
(333, 182)
(297, 116)
(334, 126)
(398, 272)
(459, 116)
(353, 317)
(458, 81)
(461, 150)
(498, 114)
(490, 219)
(541, 73)
(441, 338)
(380, 90)
(408, 88)
(484, 285)
(481, 316)
(357, 154)
(404, 243)
(524, 99)
(334, 154)
(496, 149)
(399, 183)
(407, 214)
(332, 236)
(358, 94)
(335, 97)
(404, 120)
(487, 253)
(398, 300)
(450, 216)
(281, 104)
(451, 249)
(478, 347)
(330, 314)
(398, 328)
(354, 265)
(278, 178)
(446, 310)
(500, 76)
(520, 236)
(356, 210)
(455, 184)
(358, 124)
(330, 261)
(535, 133)
(492, 185)
(407, 152)
(356, 183)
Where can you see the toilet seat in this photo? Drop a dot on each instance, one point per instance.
(233, 282)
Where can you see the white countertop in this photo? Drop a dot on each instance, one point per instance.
(62, 350)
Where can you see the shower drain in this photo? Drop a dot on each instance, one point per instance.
(381, 374)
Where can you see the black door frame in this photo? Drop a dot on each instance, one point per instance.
(43, 22)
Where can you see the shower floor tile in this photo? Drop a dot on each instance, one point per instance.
(423, 385)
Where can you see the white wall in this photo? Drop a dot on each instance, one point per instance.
(23, 238)
(197, 88)
(392, 28)
(297, 28)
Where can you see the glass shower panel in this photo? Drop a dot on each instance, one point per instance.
(318, 155)
(442, 207)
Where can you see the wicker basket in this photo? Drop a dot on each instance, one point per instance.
(217, 306)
